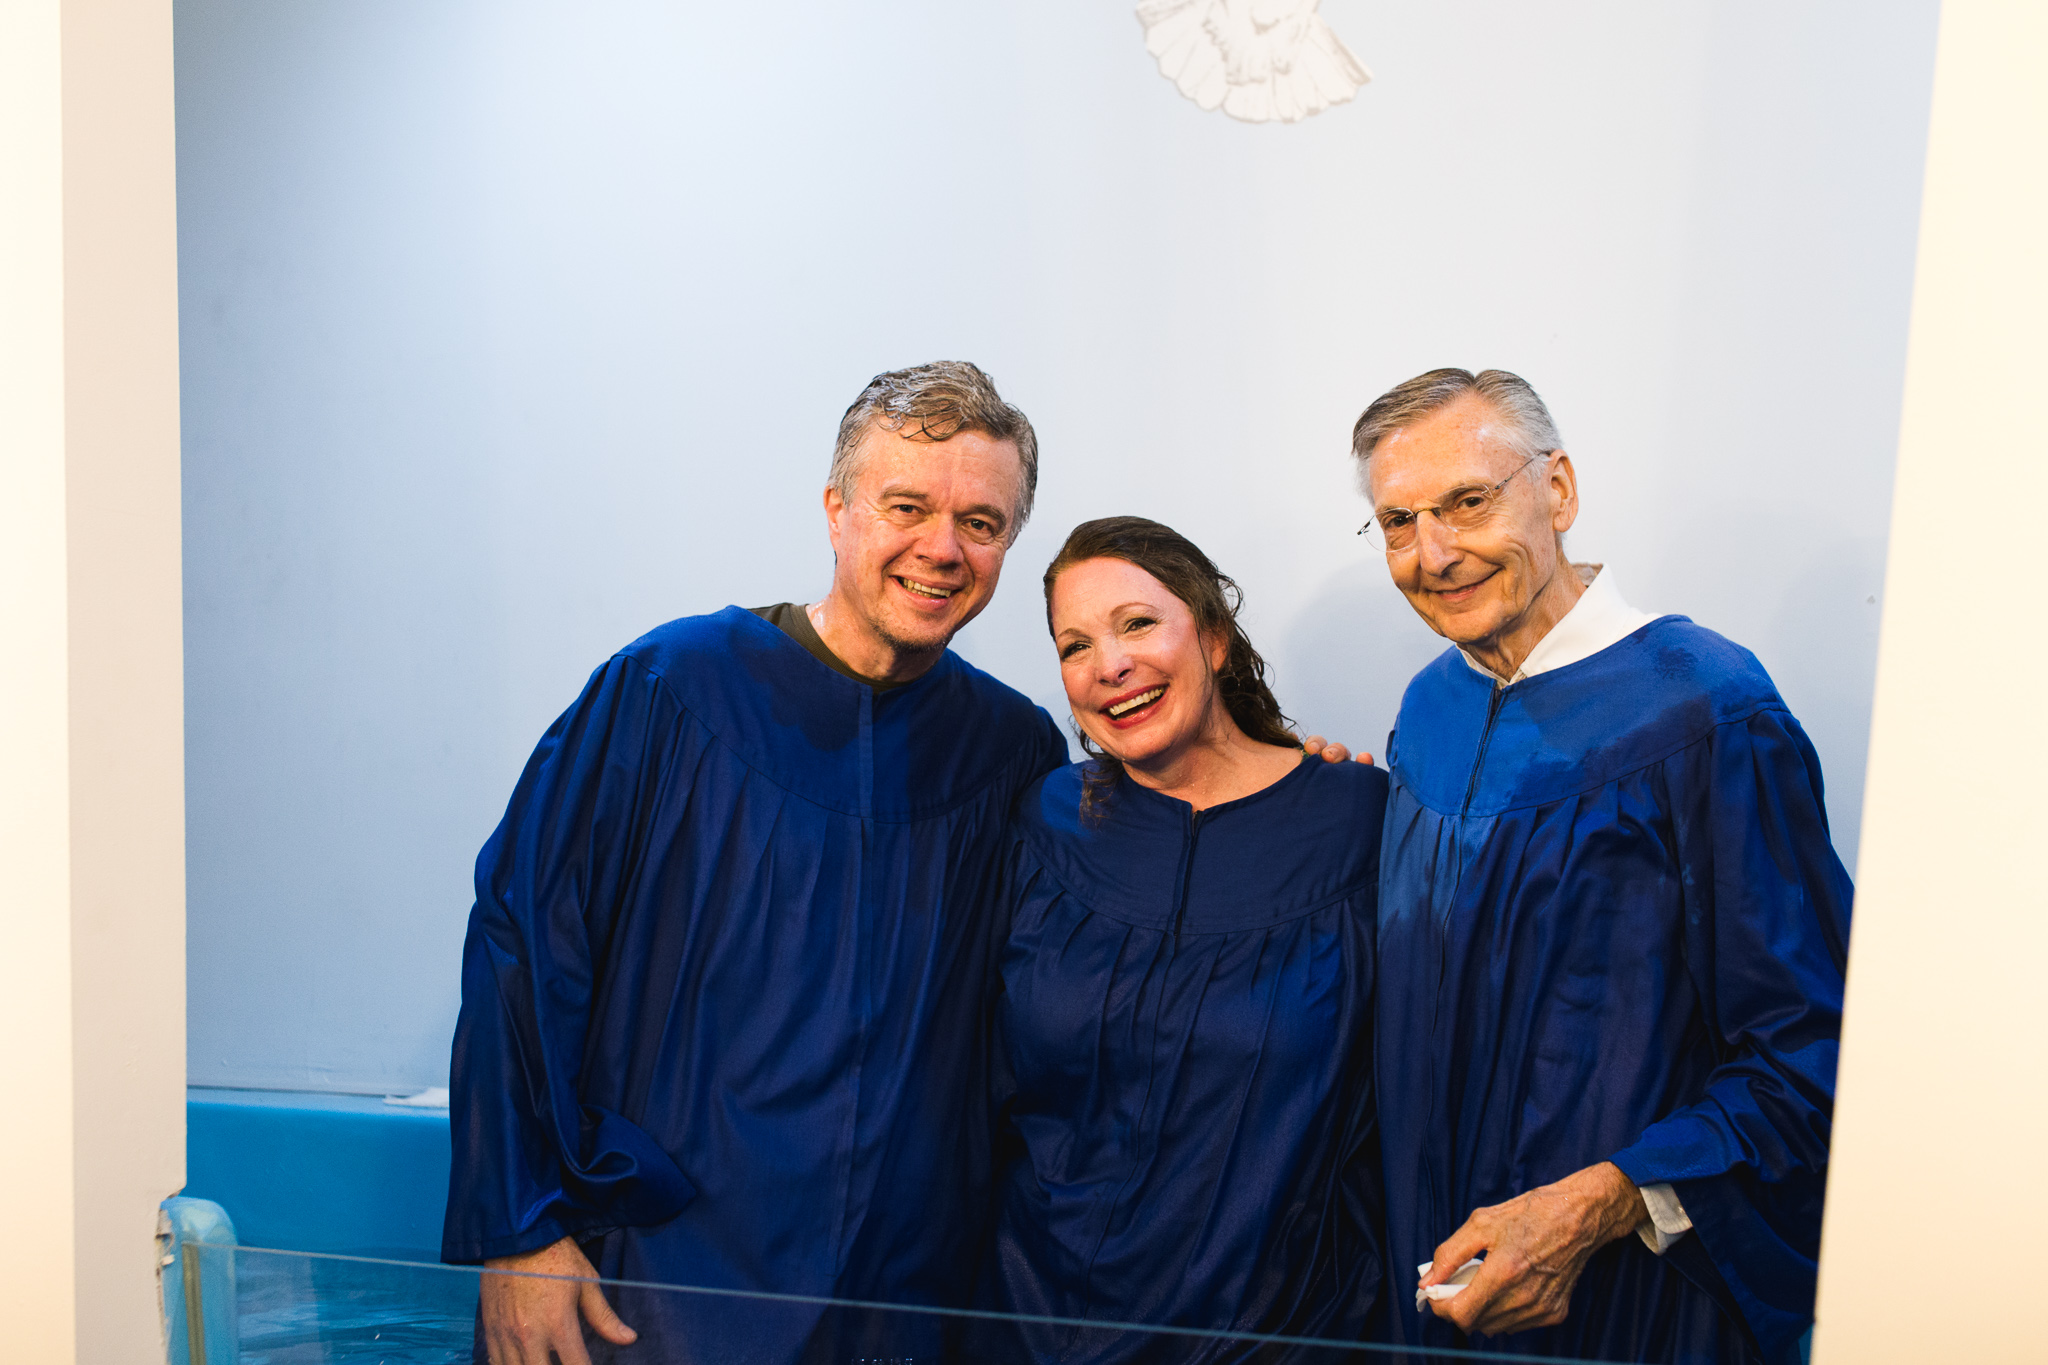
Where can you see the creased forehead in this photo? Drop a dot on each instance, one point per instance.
(904, 460)
(1458, 444)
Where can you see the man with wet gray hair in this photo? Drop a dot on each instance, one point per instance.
(1612, 929)
(1524, 421)
(722, 996)
(942, 399)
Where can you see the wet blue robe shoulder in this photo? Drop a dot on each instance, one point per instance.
(1185, 1065)
(723, 989)
(1612, 927)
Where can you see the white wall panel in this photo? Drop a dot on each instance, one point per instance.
(1943, 1105)
(514, 329)
(92, 837)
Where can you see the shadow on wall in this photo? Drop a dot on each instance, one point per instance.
(1345, 658)
(1822, 598)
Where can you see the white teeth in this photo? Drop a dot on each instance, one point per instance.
(922, 591)
(1142, 699)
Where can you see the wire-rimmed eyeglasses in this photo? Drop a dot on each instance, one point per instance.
(1393, 529)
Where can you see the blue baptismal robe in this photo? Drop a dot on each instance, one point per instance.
(1185, 1068)
(1613, 927)
(723, 1010)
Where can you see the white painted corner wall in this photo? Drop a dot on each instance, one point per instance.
(1939, 1185)
(36, 1288)
(513, 330)
(92, 988)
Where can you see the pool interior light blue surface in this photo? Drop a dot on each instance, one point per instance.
(305, 1171)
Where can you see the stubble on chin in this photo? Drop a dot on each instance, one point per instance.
(889, 634)
(903, 645)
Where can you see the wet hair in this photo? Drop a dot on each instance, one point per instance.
(1211, 597)
(936, 402)
(1525, 419)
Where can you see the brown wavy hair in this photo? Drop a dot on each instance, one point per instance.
(1212, 597)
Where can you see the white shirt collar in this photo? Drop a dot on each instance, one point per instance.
(1601, 617)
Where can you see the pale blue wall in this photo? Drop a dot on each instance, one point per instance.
(510, 330)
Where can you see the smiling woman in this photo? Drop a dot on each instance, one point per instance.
(1184, 1037)
(1163, 681)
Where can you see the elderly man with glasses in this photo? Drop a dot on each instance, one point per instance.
(1612, 929)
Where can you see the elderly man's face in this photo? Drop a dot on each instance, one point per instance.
(920, 545)
(1475, 586)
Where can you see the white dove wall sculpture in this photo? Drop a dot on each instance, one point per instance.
(1256, 60)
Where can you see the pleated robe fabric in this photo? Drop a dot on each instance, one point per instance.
(1613, 927)
(724, 991)
(1185, 1069)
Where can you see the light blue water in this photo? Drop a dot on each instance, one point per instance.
(309, 1311)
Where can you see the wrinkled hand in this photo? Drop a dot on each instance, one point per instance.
(525, 1319)
(1331, 751)
(1536, 1245)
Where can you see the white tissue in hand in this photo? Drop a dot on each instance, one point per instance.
(1449, 1288)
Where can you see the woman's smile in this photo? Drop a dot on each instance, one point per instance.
(1134, 708)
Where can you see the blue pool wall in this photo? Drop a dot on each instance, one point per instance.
(301, 1171)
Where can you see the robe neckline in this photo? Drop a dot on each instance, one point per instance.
(1524, 684)
(784, 638)
(1483, 750)
(909, 753)
(1601, 619)
(1125, 780)
(1127, 865)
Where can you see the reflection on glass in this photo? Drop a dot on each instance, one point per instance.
(303, 1308)
(295, 1309)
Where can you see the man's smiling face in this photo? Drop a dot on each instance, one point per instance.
(1475, 587)
(920, 545)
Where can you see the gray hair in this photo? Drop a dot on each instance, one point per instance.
(1529, 428)
(942, 399)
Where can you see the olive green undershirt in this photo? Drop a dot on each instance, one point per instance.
(792, 620)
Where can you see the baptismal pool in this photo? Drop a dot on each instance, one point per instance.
(297, 1308)
(293, 1308)
(336, 1203)
(301, 1310)
(311, 1232)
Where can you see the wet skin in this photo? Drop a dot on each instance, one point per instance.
(1498, 589)
(1141, 679)
(918, 548)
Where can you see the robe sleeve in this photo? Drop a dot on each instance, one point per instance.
(1767, 923)
(531, 1163)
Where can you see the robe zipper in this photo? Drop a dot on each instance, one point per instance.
(1479, 759)
(846, 1229)
(1139, 1141)
(1443, 927)
(1187, 865)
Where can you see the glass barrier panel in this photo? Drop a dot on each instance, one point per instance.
(305, 1308)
